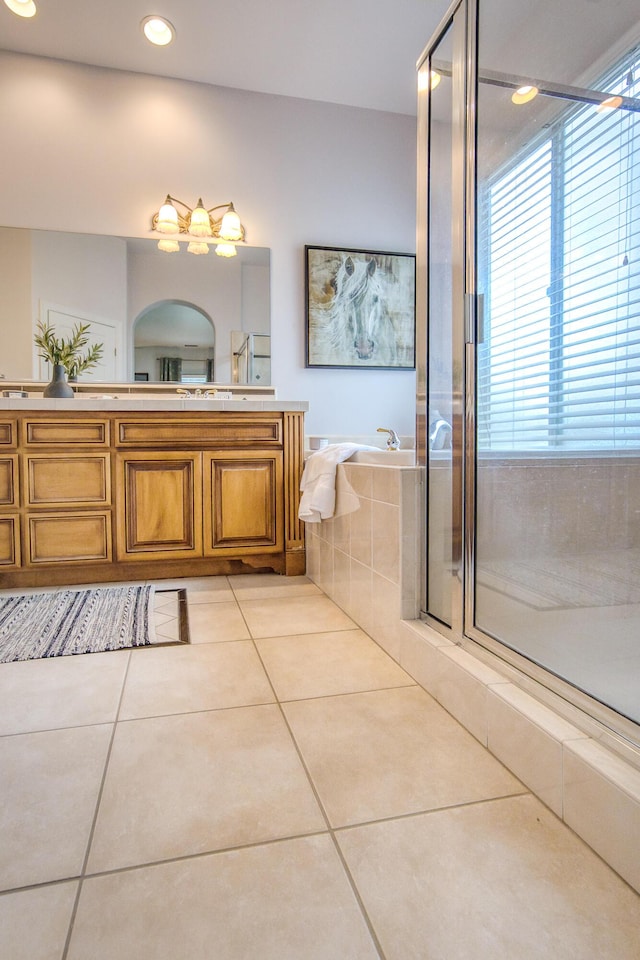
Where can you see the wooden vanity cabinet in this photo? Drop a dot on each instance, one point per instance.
(148, 495)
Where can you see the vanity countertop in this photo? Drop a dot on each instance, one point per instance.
(150, 403)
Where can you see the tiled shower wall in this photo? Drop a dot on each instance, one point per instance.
(366, 558)
(551, 507)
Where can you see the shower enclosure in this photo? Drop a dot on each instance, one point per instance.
(529, 341)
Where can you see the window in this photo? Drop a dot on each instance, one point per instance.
(560, 249)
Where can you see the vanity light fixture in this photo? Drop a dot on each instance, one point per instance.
(524, 94)
(157, 30)
(199, 226)
(24, 8)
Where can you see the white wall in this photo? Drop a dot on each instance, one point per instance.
(15, 303)
(93, 150)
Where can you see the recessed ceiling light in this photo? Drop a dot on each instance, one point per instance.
(524, 94)
(24, 8)
(611, 103)
(158, 30)
(428, 80)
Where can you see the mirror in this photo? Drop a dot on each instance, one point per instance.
(146, 306)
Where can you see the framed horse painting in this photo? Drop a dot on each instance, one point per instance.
(360, 309)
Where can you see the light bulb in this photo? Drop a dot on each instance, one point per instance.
(168, 245)
(198, 247)
(226, 250)
(199, 223)
(167, 221)
(230, 226)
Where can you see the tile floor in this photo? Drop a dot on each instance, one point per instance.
(279, 789)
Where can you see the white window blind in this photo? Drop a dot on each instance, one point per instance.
(560, 229)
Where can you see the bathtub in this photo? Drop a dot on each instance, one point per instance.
(385, 458)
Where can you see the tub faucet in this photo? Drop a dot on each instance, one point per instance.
(440, 435)
(393, 440)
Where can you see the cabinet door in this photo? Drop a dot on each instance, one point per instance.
(9, 542)
(243, 502)
(159, 506)
(8, 481)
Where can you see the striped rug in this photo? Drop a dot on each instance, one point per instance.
(60, 623)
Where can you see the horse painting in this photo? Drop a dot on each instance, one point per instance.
(350, 323)
(359, 325)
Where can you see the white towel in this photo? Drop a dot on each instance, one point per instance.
(318, 483)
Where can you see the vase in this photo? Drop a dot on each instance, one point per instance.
(59, 385)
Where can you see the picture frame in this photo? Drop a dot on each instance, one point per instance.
(360, 309)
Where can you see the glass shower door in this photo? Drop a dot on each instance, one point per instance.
(557, 411)
(529, 293)
(443, 81)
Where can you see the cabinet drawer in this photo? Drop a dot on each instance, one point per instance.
(71, 480)
(9, 542)
(64, 538)
(8, 433)
(210, 432)
(67, 432)
(8, 481)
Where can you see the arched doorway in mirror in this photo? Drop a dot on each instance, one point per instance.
(174, 341)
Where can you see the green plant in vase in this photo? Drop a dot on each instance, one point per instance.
(66, 355)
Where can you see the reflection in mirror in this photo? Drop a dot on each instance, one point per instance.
(251, 358)
(174, 342)
(115, 282)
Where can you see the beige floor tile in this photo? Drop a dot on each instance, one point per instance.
(216, 622)
(199, 782)
(284, 901)
(199, 589)
(34, 923)
(391, 752)
(48, 793)
(61, 691)
(283, 617)
(492, 881)
(209, 590)
(265, 586)
(186, 679)
(325, 664)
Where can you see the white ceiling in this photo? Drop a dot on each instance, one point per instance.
(356, 52)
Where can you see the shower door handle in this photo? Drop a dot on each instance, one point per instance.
(474, 318)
